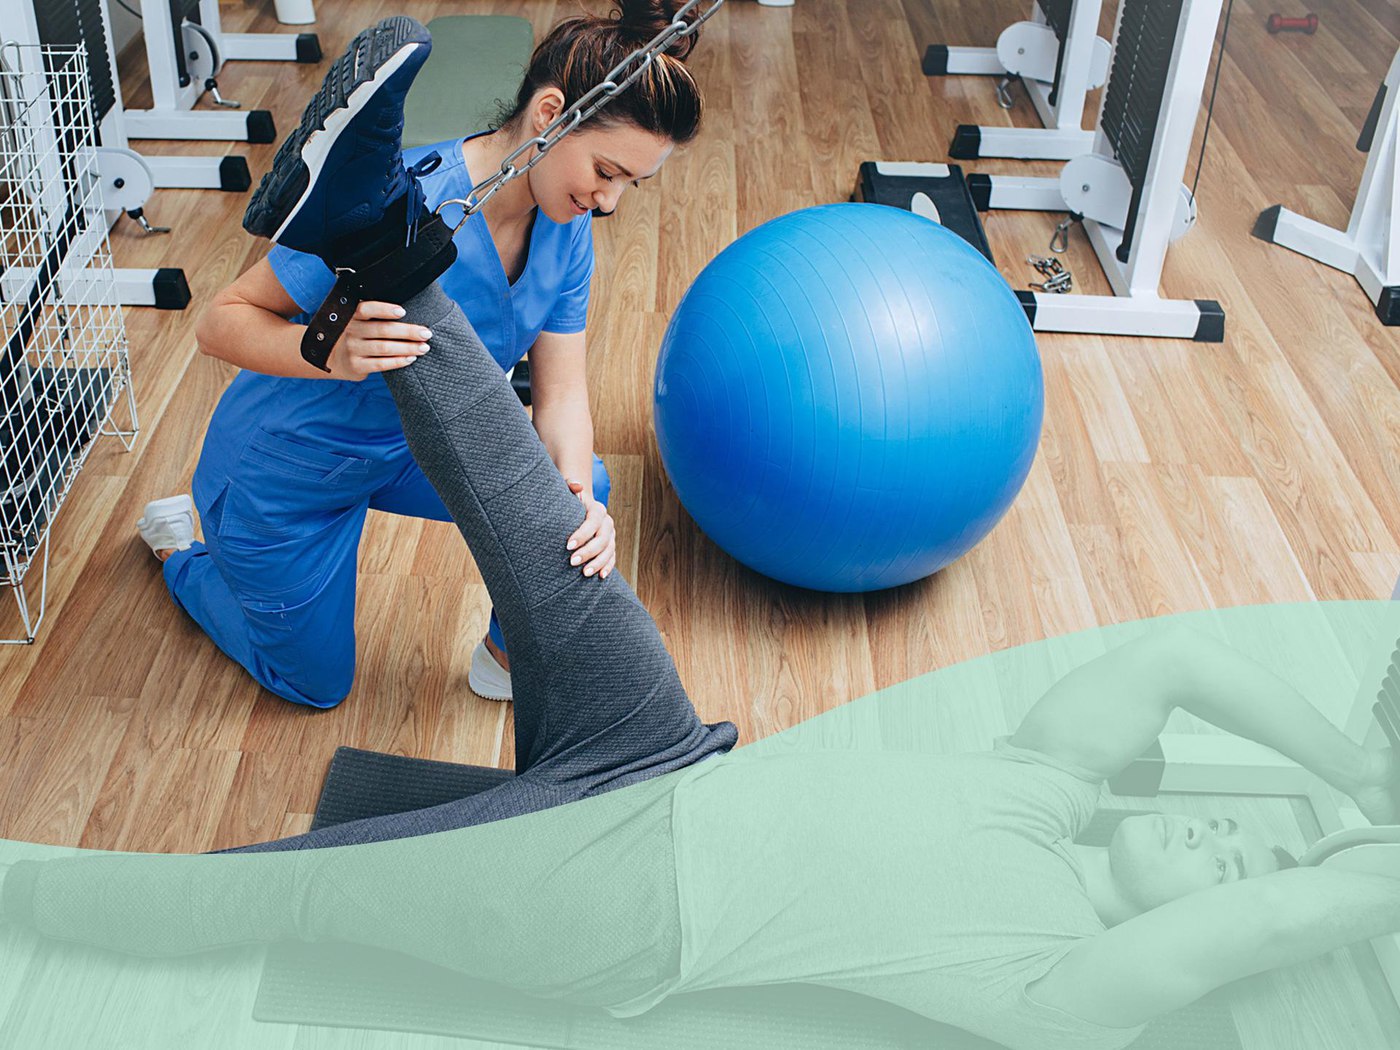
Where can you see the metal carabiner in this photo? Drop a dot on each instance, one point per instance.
(1004, 99)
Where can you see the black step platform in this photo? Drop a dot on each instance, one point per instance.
(937, 191)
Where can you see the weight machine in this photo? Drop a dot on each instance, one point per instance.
(1128, 191)
(1059, 57)
(1369, 248)
(127, 178)
(63, 351)
(186, 48)
(1193, 763)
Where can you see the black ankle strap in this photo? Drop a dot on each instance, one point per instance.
(394, 275)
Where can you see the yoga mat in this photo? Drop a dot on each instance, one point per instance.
(328, 984)
(477, 62)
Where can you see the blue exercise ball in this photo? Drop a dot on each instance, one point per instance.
(848, 398)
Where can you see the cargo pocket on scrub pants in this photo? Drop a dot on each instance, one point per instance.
(288, 524)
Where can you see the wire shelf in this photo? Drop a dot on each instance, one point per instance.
(64, 365)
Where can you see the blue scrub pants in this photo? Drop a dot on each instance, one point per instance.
(288, 470)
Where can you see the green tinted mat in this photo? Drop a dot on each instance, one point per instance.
(330, 985)
(477, 63)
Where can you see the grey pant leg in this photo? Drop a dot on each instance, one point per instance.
(598, 703)
(597, 696)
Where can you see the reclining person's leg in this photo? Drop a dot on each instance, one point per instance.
(576, 903)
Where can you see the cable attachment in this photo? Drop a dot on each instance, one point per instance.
(1059, 241)
(140, 217)
(212, 86)
(1004, 98)
(1057, 277)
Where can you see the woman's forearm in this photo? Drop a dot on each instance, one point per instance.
(255, 339)
(566, 428)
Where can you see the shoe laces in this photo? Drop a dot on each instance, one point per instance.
(416, 197)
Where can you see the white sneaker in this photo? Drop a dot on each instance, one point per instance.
(168, 524)
(488, 679)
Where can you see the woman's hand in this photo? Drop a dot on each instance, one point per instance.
(594, 543)
(376, 340)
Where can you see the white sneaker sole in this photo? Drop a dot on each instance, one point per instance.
(168, 524)
(488, 679)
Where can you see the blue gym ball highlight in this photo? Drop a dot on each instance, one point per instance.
(848, 398)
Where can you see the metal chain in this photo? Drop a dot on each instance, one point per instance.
(619, 79)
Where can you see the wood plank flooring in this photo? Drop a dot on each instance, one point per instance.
(1171, 476)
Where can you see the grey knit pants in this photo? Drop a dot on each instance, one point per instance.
(598, 704)
(577, 903)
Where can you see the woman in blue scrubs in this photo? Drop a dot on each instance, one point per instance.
(294, 458)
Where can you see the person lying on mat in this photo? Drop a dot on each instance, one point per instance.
(289, 467)
(948, 885)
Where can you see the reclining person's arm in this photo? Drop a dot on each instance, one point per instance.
(1172, 955)
(1106, 713)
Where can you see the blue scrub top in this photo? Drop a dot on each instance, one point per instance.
(551, 294)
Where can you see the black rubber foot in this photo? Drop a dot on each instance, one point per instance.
(171, 288)
(1388, 308)
(520, 381)
(967, 142)
(1143, 776)
(260, 126)
(308, 48)
(935, 60)
(1267, 223)
(1211, 327)
(1028, 305)
(980, 186)
(234, 176)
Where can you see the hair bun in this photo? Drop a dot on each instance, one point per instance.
(643, 19)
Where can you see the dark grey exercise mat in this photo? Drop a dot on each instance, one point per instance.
(477, 62)
(330, 985)
(363, 784)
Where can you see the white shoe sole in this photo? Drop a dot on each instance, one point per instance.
(488, 679)
(168, 524)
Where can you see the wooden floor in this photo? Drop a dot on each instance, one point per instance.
(1172, 476)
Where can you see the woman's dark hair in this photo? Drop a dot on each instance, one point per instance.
(579, 53)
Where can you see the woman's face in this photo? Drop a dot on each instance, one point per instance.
(591, 168)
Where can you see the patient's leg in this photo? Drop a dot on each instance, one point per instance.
(578, 902)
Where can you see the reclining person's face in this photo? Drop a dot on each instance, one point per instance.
(1159, 857)
(591, 168)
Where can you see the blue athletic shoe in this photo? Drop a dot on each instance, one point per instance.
(339, 171)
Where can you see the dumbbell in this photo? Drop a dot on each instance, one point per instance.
(1283, 24)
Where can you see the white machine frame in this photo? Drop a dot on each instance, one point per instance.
(1030, 50)
(64, 361)
(1201, 764)
(1096, 187)
(173, 115)
(1369, 248)
(128, 178)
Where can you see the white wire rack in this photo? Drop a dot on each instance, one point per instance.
(63, 349)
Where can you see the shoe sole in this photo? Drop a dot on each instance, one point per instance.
(487, 692)
(372, 58)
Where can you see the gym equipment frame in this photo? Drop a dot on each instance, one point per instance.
(186, 48)
(127, 178)
(1369, 248)
(1128, 190)
(1059, 57)
(1192, 763)
(64, 368)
